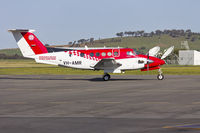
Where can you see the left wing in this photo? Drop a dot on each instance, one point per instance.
(107, 63)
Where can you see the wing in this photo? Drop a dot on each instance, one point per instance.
(107, 63)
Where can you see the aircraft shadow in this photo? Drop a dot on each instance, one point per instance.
(115, 79)
(87, 79)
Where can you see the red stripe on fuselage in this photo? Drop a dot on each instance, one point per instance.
(121, 51)
(34, 43)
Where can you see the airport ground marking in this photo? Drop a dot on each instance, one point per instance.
(14, 103)
(156, 103)
(195, 102)
(108, 102)
(60, 102)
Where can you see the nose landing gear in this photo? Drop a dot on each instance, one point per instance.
(160, 75)
(106, 77)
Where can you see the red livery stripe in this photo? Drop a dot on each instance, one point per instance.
(34, 43)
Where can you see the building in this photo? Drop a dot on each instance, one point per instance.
(189, 57)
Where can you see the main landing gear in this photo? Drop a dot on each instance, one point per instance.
(160, 75)
(106, 77)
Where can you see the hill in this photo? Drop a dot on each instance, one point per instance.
(163, 41)
(141, 43)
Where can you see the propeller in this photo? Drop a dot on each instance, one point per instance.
(152, 52)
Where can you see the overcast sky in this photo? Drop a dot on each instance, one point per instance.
(61, 21)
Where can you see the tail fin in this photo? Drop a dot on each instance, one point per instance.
(28, 43)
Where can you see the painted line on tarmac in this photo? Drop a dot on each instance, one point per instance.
(93, 89)
(60, 102)
(156, 103)
(14, 103)
(15, 89)
(108, 102)
(195, 102)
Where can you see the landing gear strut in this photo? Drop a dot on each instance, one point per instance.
(160, 75)
(106, 77)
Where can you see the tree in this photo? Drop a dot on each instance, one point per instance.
(152, 33)
(193, 39)
(126, 33)
(141, 32)
(158, 32)
(91, 40)
(121, 34)
(188, 31)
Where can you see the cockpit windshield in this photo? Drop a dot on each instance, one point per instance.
(130, 53)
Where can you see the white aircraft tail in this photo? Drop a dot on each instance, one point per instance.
(28, 43)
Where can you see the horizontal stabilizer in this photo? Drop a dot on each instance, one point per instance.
(21, 30)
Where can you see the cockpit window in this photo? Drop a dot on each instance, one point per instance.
(129, 53)
(116, 53)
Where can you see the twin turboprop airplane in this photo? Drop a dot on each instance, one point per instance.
(111, 60)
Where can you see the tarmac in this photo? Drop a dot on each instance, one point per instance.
(87, 104)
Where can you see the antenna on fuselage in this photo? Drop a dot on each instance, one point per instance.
(86, 47)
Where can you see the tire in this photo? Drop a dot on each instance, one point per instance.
(106, 77)
(160, 77)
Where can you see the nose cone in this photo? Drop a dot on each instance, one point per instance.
(156, 62)
(161, 62)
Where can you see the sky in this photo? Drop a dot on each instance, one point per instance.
(58, 22)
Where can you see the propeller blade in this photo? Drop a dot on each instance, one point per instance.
(148, 62)
(154, 51)
(168, 52)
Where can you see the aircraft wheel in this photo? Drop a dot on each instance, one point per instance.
(106, 77)
(160, 77)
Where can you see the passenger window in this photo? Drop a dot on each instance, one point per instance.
(116, 53)
(109, 53)
(103, 54)
(91, 54)
(97, 54)
(82, 54)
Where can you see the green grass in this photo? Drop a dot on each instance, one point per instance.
(29, 67)
(16, 63)
(10, 52)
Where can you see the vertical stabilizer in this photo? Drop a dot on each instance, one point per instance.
(28, 43)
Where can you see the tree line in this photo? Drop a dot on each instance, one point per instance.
(188, 34)
(173, 33)
(81, 41)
